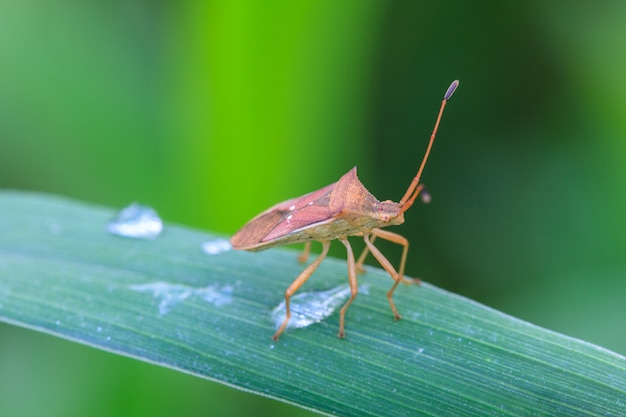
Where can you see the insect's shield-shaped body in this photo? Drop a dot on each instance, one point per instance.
(344, 208)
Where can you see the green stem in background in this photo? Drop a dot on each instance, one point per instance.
(267, 82)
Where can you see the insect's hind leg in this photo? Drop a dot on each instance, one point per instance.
(297, 283)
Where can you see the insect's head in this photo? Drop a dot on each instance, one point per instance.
(389, 213)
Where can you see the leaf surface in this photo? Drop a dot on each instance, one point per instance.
(167, 302)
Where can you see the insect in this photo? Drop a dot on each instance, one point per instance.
(344, 208)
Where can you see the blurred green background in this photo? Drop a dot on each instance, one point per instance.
(213, 111)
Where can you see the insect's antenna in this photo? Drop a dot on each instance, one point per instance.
(414, 190)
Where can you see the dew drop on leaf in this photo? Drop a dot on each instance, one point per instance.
(216, 246)
(136, 221)
(312, 307)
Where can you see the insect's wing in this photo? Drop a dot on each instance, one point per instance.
(284, 218)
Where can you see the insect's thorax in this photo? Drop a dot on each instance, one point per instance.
(351, 201)
(355, 214)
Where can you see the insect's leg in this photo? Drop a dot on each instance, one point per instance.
(359, 262)
(305, 253)
(384, 262)
(354, 289)
(400, 240)
(297, 283)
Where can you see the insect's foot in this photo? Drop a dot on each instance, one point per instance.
(275, 337)
(411, 281)
(341, 334)
(396, 317)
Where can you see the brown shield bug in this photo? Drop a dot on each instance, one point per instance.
(344, 208)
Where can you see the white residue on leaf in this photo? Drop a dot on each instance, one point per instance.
(216, 295)
(312, 307)
(169, 294)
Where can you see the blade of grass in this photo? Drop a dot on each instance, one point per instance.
(164, 301)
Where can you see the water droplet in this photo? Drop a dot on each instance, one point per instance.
(99, 329)
(216, 246)
(136, 221)
(171, 294)
(312, 307)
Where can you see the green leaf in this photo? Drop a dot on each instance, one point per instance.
(167, 302)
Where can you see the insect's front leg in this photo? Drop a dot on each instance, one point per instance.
(400, 240)
(297, 283)
(384, 262)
